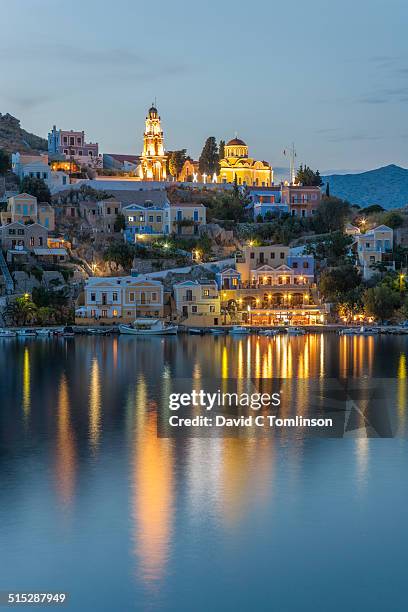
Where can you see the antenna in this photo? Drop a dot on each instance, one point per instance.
(292, 160)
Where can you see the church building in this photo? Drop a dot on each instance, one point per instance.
(153, 159)
(246, 170)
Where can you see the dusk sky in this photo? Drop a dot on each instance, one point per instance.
(332, 77)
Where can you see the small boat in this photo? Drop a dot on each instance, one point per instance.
(295, 331)
(359, 331)
(148, 327)
(7, 333)
(239, 330)
(26, 333)
(44, 331)
(68, 332)
(195, 331)
(268, 332)
(98, 331)
(217, 331)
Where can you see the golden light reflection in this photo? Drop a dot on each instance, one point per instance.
(152, 492)
(402, 392)
(26, 382)
(224, 363)
(94, 404)
(66, 453)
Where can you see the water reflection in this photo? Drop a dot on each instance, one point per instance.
(26, 382)
(94, 404)
(65, 449)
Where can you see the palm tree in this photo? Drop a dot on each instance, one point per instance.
(21, 311)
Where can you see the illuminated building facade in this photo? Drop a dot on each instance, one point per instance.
(153, 160)
(237, 165)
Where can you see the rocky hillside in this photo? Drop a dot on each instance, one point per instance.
(387, 186)
(13, 138)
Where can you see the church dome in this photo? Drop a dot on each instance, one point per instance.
(236, 142)
(153, 112)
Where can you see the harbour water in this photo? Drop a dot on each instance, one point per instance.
(95, 504)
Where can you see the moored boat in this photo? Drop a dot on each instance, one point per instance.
(195, 331)
(239, 330)
(295, 331)
(148, 327)
(268, 332)
(7, 333)
(217, 331)
(26, 333)
(44, 331)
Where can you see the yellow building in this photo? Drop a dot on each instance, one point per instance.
(246, 170)
(153, 160)
(24, 208)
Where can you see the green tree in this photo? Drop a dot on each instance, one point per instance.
(336, 283)
(21, 311)
(331, 215)
(380, 302)
(307, 177)
(121, 254)
(36, 187)
(328, 190)
(176, 162)
(333, 248)
(120, 222)
(221, 149)
(393, 219)
(208, 161)
(5, 163)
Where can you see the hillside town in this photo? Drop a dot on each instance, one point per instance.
(102, 240)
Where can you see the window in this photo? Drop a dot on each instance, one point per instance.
(65, 141)
(272, 254)
(93, 297)
(114, 296)
(20, 232)
(116, 211)
(206, 293)
(305, 264)
(194, 309)
(151, 218)
(32, 241)
(40, 241)
(196, 215)
(179, 215)
(294, 264)
(131, 296)
(252, 255)
(154, 297)
(78, 141)
(282, 255)
(104, 313)
(93, 313)
(12, 232)
(65, 150)
(143, 298)
(158, 218)
(72, 141)
(115, 313)
(90, 153)
(141, 217)
(212, 308)
(80, 152)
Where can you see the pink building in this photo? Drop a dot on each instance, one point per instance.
(72, 144)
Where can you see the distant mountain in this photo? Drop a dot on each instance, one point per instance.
(387, 186)
(13, 138)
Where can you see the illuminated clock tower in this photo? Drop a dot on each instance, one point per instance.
(153, 159)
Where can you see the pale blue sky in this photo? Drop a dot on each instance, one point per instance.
(331, 76)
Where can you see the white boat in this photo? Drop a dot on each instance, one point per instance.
(7, 333)
(239, 329)
(148, 327)
(44, 331)
(25, 333)
(268, 332)
(359, 331)
(217, 331)
(295, 331)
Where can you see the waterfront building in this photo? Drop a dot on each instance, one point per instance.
(72, 144)
(24, 208)
(144, 216)
(153, 159)
(119, 299)
(197, 303)
(374, 247)
(237, 165)
(271, 285)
